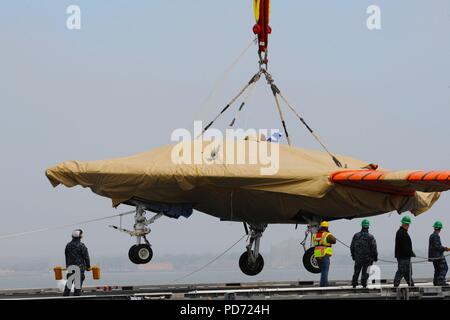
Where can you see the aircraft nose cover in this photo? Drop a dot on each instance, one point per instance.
(67, 173)
(106, 178)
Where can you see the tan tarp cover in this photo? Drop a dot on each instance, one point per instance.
(302, 182)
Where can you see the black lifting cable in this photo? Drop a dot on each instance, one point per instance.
(276, 92)
(233, 121)
(235, 116)
(254, 79)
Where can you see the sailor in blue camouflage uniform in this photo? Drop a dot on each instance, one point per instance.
(77, 255)
(436, 255)
(364, 253)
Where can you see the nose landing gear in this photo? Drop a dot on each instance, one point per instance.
(251, 261)
(140, 253)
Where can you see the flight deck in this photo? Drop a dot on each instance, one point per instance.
(285, 290)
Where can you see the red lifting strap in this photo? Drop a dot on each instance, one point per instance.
(262, 28)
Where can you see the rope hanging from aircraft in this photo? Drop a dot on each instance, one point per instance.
(422, 259)
(220, 83)
(212, 261)
(19, 234)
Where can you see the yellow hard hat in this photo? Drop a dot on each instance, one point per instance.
(324, 224)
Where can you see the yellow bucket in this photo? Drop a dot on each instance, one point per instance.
(95, 272)
(58, 272)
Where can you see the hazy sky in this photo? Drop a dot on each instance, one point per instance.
(139, 69)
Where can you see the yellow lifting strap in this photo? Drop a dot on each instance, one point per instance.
(256, 8)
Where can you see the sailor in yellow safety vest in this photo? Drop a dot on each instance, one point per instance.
(323, 241)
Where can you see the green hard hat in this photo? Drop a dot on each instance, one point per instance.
(406, 220)
(365, 223)
(437, 225)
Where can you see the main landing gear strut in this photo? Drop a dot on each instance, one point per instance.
(251, 261)
(141, 252)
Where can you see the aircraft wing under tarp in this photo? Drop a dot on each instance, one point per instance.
(403, 183)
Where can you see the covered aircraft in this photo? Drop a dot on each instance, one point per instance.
(306, 189)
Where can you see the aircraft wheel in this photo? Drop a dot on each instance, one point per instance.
(140, 254)
(251, 269)
(310, 262)
(132, 254)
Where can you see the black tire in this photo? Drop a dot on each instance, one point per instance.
(251, 269)
(140, 254)
(309, 262)
(132, 254)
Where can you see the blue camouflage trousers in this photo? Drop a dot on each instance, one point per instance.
(440, 271)
(404, 271)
